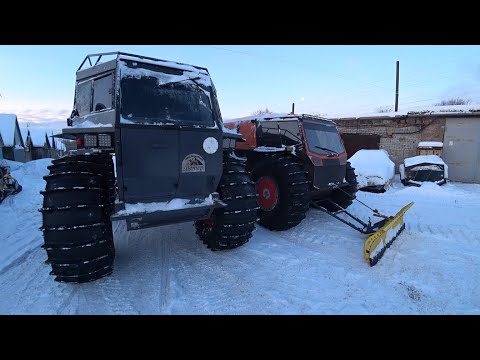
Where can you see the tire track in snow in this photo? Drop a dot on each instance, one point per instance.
(263, 290)
(141, 271)
(164, 296)
(448, 231)
(115, 296)
(206, 285)
(27, 288)
(66, 303)
(108, 295)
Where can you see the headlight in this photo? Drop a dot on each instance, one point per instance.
(228, 143)
(104, 140)
(90, 140)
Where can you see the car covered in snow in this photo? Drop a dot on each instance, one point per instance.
(418, 169)
(374, 169)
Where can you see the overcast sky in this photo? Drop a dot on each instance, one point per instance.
(37, 82)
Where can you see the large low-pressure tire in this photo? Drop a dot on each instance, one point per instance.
(344, 196)
(76, 218)
(232, 226)
(282, 188)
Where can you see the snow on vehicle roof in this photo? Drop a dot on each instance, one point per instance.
(162, 77)
(421, 159)
(417, 110)
(271, 117)
(7, 128)
(90, 124)
(373, 167)
(430, 144)
(229, 131)
(172, 64)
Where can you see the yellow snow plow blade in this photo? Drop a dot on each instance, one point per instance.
(377, 243)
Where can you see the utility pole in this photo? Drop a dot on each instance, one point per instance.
(396, 87)
(293, 108)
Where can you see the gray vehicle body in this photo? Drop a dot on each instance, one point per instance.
(162, 121)
(423, 168)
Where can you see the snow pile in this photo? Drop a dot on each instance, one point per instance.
(19, 214)
(373, 168)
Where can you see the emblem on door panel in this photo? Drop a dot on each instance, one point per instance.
(193, 163)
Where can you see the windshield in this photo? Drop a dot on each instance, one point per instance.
(156, 98)
(323, 139)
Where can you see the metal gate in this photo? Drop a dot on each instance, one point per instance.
(355, 142)
(461, 149)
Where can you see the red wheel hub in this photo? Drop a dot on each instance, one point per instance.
(267, 191)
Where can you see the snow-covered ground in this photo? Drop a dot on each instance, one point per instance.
(314, 268)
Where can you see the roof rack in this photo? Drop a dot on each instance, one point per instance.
(93, 62)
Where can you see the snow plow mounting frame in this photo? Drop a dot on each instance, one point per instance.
(381, 234)
(367, 228)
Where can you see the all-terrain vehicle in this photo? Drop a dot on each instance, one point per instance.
(298, 161)
(8, 184)
(295, 160)
(172, 163)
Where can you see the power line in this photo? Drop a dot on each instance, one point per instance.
(358, 93)
(403, 84)
(276, 58)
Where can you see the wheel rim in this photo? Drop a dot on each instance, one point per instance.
(208, 224)
(267, 191)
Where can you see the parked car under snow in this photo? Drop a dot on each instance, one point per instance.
(374, 169)
(418, 169)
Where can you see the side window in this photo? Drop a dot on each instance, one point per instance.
(290, 132)
(84, 97)
(103, 93)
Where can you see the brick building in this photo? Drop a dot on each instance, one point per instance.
(458, 127)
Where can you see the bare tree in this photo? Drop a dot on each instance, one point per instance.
(384, 109)
(316, 113)
(454, 101)
(262, 111)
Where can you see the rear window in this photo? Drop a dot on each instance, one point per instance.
(94, 95)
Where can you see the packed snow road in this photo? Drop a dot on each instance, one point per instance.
(314, 268)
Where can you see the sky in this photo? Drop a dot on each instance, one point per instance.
(37, 81)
